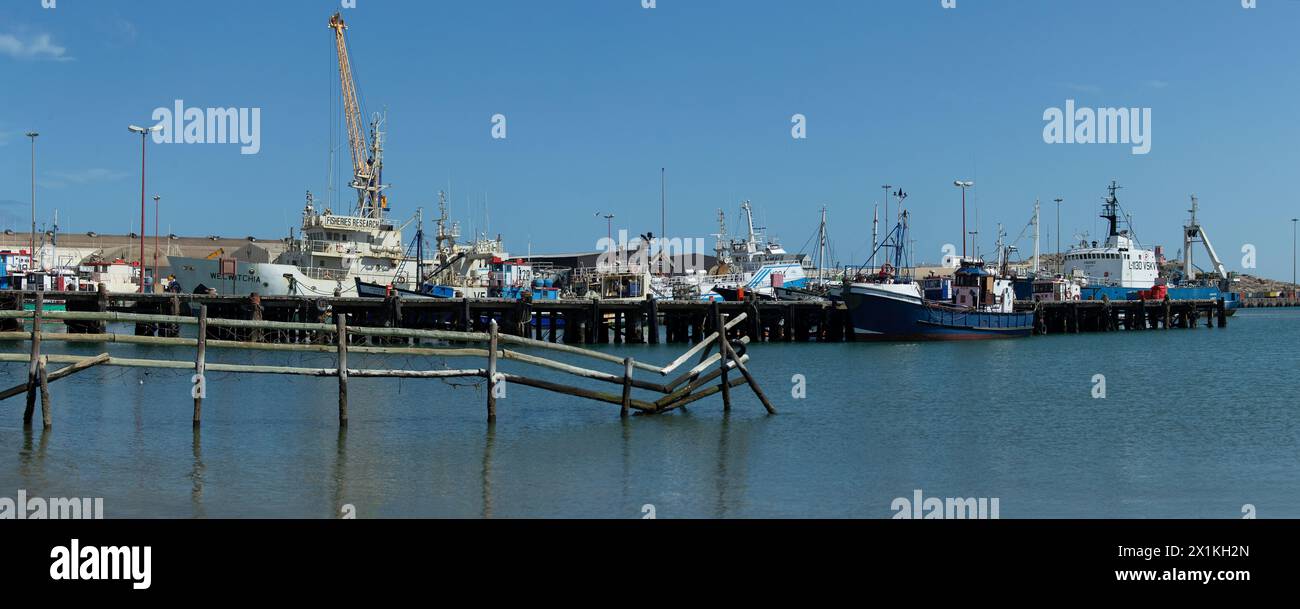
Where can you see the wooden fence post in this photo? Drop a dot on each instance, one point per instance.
(721, 328)
(341, 336)
(492, 372)
(45, 391)
(627, 386)
(749, 378)
(200, 363)
(32, 381)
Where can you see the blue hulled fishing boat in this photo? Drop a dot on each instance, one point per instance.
(888, 304)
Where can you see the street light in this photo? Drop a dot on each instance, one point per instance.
(609, 225)
(1060, 264)
(963, 186)
(1293, 286)
(144, 137)
(155, 242)
(31, 252)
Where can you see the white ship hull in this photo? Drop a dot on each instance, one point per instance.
(268, 279)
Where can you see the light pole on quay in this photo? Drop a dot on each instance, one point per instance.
(1060, 263)
(31, 252)
(144, 137)
(156, 198)
(963, 186)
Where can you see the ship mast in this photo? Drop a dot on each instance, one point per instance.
(367, 165)
(1036, 251)
(1110, 210)
(821, 246)
(875, 243)
(720, 248)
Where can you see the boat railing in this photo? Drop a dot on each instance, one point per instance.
(322, 273)
(327, 247)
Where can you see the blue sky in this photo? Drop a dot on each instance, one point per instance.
(599, 94)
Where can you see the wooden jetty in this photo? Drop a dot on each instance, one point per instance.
(1106, 315)
(568, 322)
(339, 336)
(1279, 301)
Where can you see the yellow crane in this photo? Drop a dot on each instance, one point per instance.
(367, 169)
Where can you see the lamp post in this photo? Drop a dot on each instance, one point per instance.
(886, 188)
(31, 252)
(1293, 286)
(609, 225)
(144, 137)
(963, 185)
(1060, 263)
(155, 242)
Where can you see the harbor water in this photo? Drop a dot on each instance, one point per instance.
(1193, 423)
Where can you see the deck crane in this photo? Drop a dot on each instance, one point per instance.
(367, 162)
(1193, 233)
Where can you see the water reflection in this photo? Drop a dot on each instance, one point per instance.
(732, 471)
(196, 475)
(31, 460)
(489, 445)
(625, 432)
(340, 470)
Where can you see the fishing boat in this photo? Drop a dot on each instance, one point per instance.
(334, 249)
(756, 262)
(1121, 269)
(889, 305)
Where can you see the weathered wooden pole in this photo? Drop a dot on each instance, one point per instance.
(492, 372)
(721, 328)
(1223, 313)
(341, 336)
(101, 304)
(45, 391)
(627, 386)
(200, 364)
(32, 381)
(749, 378)
(652, 318)
(255, 303)
(172, 330)
(597, 324)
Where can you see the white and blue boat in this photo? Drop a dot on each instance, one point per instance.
(1121, 269)
(756, 263)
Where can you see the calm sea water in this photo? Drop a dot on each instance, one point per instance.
(1195, 423)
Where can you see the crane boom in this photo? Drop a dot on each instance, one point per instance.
(364, 168)
(1193, 233)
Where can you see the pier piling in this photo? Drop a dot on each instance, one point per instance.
(492, 372)
(341, 336)
(36, 356)
(200, 361)
(42, 372)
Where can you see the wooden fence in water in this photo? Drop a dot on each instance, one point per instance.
(688, 387)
